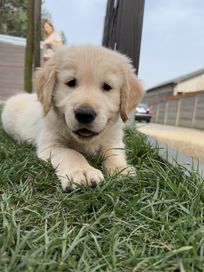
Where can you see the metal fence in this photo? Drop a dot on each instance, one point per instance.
(184, 111)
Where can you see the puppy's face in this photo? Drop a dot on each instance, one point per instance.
(88, 93)
(90, 87)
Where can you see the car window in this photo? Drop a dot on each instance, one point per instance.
(142, 106)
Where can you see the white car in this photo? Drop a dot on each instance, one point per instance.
(143, 113)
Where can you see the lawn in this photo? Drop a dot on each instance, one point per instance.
(151, 222)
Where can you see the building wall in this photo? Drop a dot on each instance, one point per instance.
(158, 95)
(191, 85)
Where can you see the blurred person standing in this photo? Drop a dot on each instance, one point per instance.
(52, 41)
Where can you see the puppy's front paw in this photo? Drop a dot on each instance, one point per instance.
(88, 177)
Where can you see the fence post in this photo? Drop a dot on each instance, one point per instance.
(166, 112)
(194, 110)
(178, 112)
(157, 113)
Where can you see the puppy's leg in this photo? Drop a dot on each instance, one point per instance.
(115, 161)
(71, 167)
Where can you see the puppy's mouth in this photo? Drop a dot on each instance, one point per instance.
(85, 133)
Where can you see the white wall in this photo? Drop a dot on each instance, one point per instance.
(190, 85)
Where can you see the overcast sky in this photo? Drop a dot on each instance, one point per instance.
(173, 33)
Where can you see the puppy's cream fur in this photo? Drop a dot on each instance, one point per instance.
(47, 119)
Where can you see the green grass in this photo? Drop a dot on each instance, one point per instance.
(151, 222)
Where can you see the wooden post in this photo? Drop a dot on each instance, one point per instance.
(37, 34)
(28, 63)
(109, 25)
(123, 27)
(129, 29)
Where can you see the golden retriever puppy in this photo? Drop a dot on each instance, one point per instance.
(84, 93)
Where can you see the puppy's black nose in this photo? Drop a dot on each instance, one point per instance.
(85, 115)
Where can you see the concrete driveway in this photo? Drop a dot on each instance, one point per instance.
(187, 140)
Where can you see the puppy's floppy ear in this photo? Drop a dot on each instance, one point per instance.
(131, 93)
(45, 80)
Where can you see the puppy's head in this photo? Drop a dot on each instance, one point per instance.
(92, 87)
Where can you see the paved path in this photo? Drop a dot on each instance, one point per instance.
(175, 157)
(187, 140)
(11, 69)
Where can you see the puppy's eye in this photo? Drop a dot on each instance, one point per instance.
(106, 87)
(72, 83)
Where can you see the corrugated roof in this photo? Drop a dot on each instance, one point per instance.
(177, 80)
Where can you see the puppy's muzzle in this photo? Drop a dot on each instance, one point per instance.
(85, 115)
